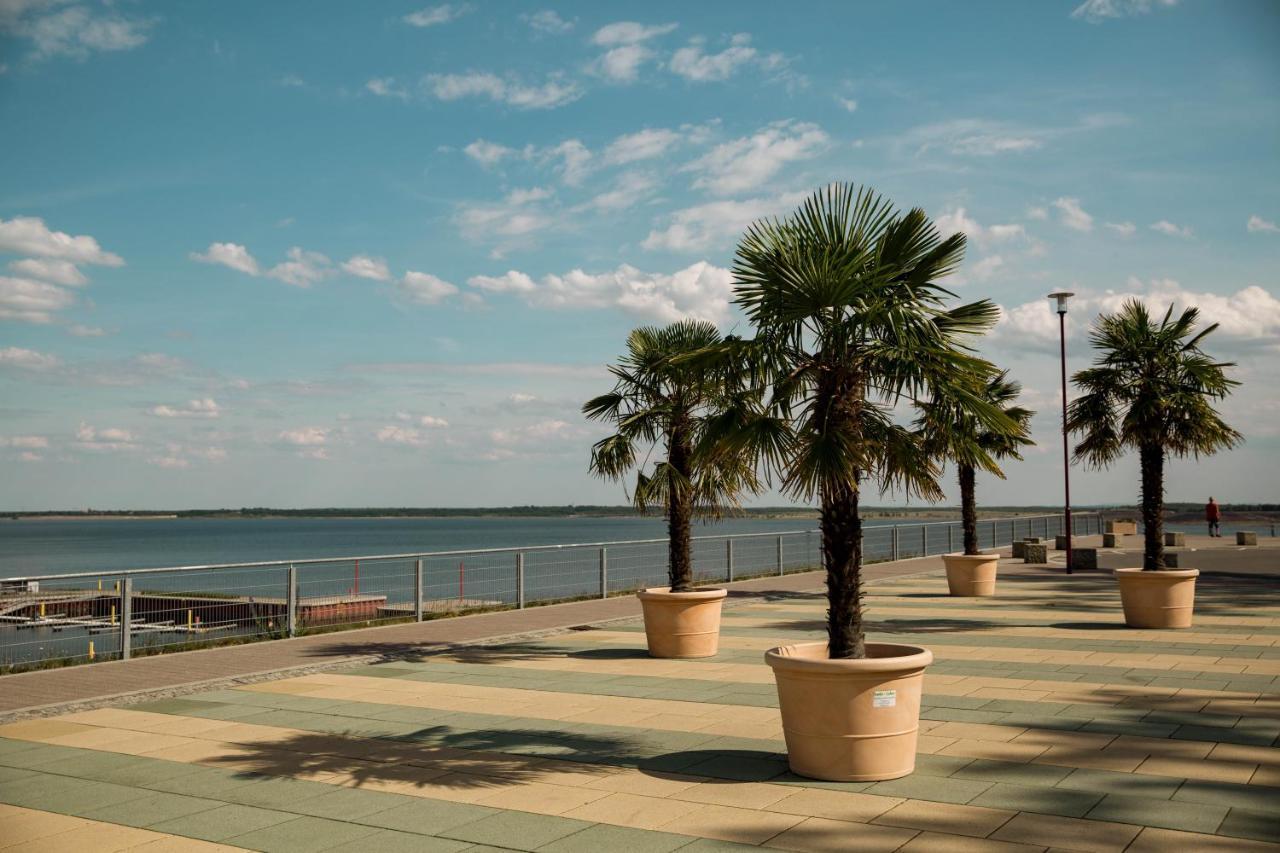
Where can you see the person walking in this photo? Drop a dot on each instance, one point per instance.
(1213, 515)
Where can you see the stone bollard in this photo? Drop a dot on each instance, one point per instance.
(1110, 540)
(1171, 559)
(1244, 537)
(1122, 528)
(1035, 553)
(1084, 559)
(1171, 539)
(1034, 540)
(1019, 550)
(1059, 543)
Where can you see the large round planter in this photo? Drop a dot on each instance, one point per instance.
(1159, 599)
(971, 575)
(850, 720)
(682, 624)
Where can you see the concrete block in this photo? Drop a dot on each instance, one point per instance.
(1035, 540)
(1110, 540)
(1019, 550)
(1122, 527)
(1171, 559)
(1036, 553)
(1172, 539)
(1059, 543)
(1084, 559)
(1246, 538)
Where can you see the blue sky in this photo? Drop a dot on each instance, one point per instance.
(308, 253)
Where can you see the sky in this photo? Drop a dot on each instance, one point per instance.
(352, 254)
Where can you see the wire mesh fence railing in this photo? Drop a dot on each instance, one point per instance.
(58, 620)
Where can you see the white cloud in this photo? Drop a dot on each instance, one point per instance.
(1164, 226)
(849, 104)
(1124, 229)
(1072, 215)
(556, 91)
(1098, 11)
(76, 31)
(231, 255)
(31, 301)
(522, 399)
(630, 189)
(205, 408)
(425, 289)
(958, 221)
(303, 268)
(1258, 225)
(26, 442)
(434, 15)
(27, 359)
(718, 223)
(547, 21)
(407, 436)
(386, 87)
(985, 268)
(51, 270)
(622, 64)
(110, 438)
(536, 433)
(310, 436)
(432, 422)
(575, 160)
(509, 223)
(745, 163)
(692, 63)
(700, 290)
(486, 153)
(642, 145)
(1039, 213)
(28, 235)
(364, 266)
(81, 331)
(971, 137)
(628, 32)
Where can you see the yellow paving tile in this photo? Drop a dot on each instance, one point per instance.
(541, 798)
(745, 826)
(977, 731)
(20, 825)
(946, 818)
(96, 836)
(42, 730)
(1020, 752)
(819, 835)
(647, 784)
(1190, 768)
(747, 795)
(1152, 840)
(835, 805)
(1095, 836)
(935, 842)
(634, 810)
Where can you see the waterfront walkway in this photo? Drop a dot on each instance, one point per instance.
(1046, 725)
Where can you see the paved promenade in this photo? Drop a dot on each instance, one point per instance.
(1046, 725)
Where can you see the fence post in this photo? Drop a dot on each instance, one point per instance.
(924, 540)
(520, 580)
(995, 534)
(951, 537)
(604, 572)
(126, 618)
(728, 558)
(417, 590)
(291, 601)
(780, 565)
(893, 543)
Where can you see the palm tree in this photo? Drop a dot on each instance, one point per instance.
(950, 431)
(660, 397)
(1151, 388)
(849, 319)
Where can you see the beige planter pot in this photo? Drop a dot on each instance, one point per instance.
(682, 624)
(850, 720)
(971, 575)
(1163, 599)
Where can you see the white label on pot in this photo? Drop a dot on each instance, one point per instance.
(884, 699)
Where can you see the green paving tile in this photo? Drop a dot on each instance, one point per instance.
(273, 792)
(740, 768)
(9, 774)
(518, 830)
(390, 841)
(64, 794)
(210, 782)
(1212, 733)
(8, 746)
(940, 765)
(1012, 773)
(89, 765)
(1113, 782)
(427, 817)
(1040, 800)
(156, 808)
(301, 835)
(349, 803)
(1251, 797)
(961, 715)
(711, 845)
(222, 822)
(1189, 817)
(932, 788)
(1247, 823)
(616, 839)
(38, 755)
(141, 771)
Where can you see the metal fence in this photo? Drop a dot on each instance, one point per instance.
(64, 619)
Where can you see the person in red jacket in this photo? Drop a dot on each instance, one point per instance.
(1213, 515)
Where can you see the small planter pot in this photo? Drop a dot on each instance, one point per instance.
(1163, 599)
(971, 575)
(850, 720)
(682, 624)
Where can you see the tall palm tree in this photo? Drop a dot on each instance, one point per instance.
(660, 398)
(849, 319)
(951, 431)
(1151, 389)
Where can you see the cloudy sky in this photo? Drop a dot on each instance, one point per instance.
(302, 254)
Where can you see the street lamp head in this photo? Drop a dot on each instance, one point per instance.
(1062, 296)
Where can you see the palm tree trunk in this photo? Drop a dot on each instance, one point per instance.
(842, 555)
(1151, 460)
(968, 510)
(679, 514)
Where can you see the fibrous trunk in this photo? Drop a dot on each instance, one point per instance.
(1151, 460)
(679, 512)
(968, 510)
(842, 553)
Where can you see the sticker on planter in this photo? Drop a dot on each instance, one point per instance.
(884, 699)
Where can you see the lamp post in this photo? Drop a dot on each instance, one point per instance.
(1061, 307)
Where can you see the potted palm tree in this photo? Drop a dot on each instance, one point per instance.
(1151, 389)
(685, 406)
(952, 432)
(849, 319)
